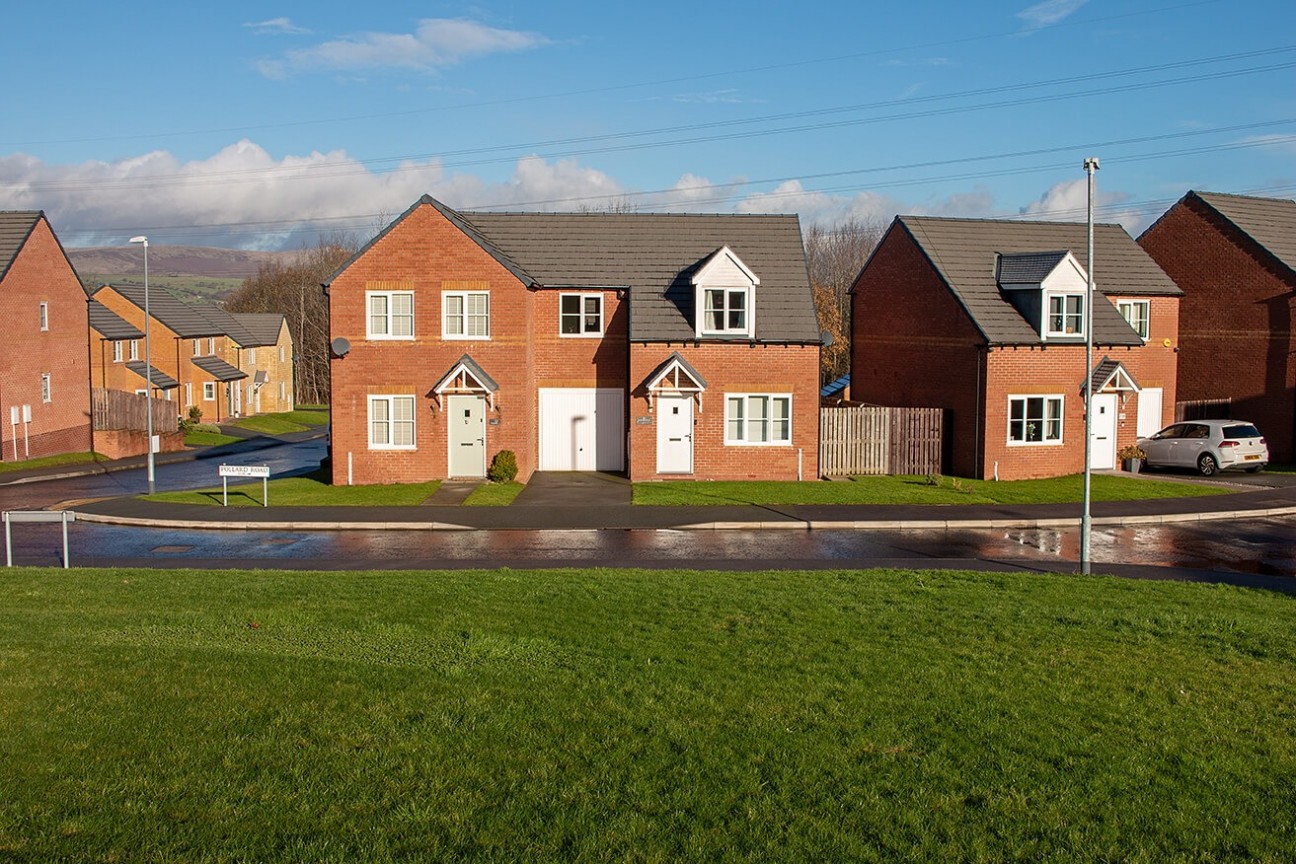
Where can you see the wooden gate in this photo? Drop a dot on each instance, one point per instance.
(872, 439)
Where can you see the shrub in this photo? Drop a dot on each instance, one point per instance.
(503, 467)
(192, 421)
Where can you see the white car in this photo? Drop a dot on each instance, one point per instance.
(1209, 446)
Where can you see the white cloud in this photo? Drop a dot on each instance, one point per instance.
(435, 43)
(1068, 201)
(1049, 12)
(275, 26)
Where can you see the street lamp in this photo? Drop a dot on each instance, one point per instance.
(148, 362)
(1090, 166)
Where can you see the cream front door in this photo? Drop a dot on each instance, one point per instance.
(466, 416)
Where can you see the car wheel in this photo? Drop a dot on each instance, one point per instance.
(1207, 465)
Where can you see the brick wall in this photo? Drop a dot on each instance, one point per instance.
(730, 369)
(1236, 319)
(41, 273)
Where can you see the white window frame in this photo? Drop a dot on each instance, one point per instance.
(1044, 420)
(117, 350)
(747, 420)
(197, 347)
(464, 316)
(1127, 307)
(385, 442)
(251, 356)
(281, 353)
(727, 293)
(134, 349)
(47, 387)
(209, 391)
(44, 316)
(211, 345)
(188, 392)
(581, 315)
(389, 316)
(1064, 296)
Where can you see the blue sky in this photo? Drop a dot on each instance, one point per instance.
(260, 125)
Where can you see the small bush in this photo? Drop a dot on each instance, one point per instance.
(503, 467)
(192, 421)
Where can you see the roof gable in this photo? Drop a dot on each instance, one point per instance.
(1269, 222)
(15, 227)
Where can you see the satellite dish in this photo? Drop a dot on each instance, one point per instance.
(340, 347)
(826, 338)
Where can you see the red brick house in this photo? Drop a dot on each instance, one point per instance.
(1235, 259)
(660, 346)
(45, 373)
(985, 319)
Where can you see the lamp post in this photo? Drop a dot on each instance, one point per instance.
(1090, 166)
(148, 362)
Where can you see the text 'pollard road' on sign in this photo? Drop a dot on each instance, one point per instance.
(262, 471)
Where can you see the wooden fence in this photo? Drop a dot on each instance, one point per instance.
(1204, 409)
(117, 409)
(870, 439)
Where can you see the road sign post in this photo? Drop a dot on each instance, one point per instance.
(262, 471)
(11, 516)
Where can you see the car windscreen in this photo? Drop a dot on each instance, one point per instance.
(1241, 430)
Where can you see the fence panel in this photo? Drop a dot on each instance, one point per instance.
(117, 409)
(1204, 409)
(872, 439)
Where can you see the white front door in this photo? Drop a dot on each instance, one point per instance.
(675, 435)
(466, 416)
(582, 429)
(1102, 452)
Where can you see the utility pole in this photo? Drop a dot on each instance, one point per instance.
(1090, 166)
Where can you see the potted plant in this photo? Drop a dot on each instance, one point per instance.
(1131, 456)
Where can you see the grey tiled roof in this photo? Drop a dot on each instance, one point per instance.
(15, 227)
(110, 325)
(654, 254)
(218, 368)
(1270, 222)
(965, 253)
(263, 327)
(160, 379)
(1028, 267)
(188, 320)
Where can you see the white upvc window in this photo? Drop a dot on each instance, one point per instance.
(1034, 420)
(117, 351)
(390, 314)
(580, 314)
(1139, 315)
(134, 349)
(188, 392)
(209, 391)
(283, 390)
(391, 422)
(251, 357)
(758, 418)
(281, 353)
(47, 393)
(1064, 315)
(466, 315)
(197, 347)
(211, 345)
(44, 315)
(725, 311)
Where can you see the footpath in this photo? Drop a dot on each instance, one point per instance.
(589, 501)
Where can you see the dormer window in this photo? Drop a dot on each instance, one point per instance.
(1066, 315)
(725, 293)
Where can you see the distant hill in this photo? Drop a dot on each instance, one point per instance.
(192, 272)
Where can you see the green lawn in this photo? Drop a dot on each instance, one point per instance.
(47, 461)
(493, 495)
(312, 490)
(915, 490)
(603, 715)
(200, 438)
(285, 421)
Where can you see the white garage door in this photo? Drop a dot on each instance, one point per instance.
(582, 429)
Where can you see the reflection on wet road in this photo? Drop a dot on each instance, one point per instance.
(1266, 547)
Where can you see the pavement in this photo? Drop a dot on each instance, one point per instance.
(590, 500)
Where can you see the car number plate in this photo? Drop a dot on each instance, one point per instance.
(1254, 456)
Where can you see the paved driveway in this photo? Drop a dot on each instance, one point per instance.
(574, 489)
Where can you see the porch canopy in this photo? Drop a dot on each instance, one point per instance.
(675, 375)
(160, 379)
(466, 377)
(1110, 376)
(218, 369)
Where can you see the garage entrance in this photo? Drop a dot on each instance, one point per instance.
(582, 429)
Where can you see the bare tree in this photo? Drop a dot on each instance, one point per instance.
(292, 289)
(835, 256)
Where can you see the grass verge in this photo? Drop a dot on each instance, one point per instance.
(650, 716)
(284, 422)
(199, 438)
(493, 495)
(47, 461)
(311, 490)
(915, 490)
